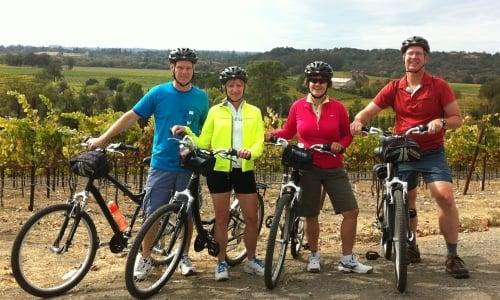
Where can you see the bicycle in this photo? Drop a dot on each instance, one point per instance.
(56, 246)
(286, 226)
(169, 226)
(392, 217)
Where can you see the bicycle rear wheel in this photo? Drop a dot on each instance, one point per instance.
(400, 241)
(43, 262)
(279, 236)
(236, 250)
(297, 238)
(167, 233)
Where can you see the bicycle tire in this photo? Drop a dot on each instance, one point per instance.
(387, 230)
(400, 241)
(236, 251)
(167, 248)
(278, 233)
(38, 251)
(297, 237)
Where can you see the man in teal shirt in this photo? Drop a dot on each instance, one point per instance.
(171, 103)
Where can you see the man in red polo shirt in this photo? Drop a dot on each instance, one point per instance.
(419, 98)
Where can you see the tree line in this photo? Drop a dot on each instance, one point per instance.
(464, 67)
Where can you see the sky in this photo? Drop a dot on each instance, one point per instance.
(251, 25)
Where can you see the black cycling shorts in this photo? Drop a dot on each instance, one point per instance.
(223, 182)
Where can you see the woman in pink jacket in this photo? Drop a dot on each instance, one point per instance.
(320, 119)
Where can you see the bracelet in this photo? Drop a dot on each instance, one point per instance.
(444, 122)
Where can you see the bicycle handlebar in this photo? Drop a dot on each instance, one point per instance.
(420, 129)
(322, 148)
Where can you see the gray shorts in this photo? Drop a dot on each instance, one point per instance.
(432, 165)
(337, 186)
(160, 187)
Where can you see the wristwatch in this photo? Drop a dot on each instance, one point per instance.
(443, 122)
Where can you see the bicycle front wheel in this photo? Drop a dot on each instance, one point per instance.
(156, 251)
(279, 236)
(54, 250)
(400, 241)
(236, 250)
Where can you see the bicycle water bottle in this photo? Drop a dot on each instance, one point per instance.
(117, 215)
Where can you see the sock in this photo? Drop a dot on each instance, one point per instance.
(413, 242)
(452, 248)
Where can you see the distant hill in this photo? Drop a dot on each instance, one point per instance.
(464, 67)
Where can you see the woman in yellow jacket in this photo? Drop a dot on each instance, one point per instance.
(233, 124)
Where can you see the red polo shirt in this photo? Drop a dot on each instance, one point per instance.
(331, 126)
(425, 105)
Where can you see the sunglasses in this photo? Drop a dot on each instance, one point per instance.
(318, 80)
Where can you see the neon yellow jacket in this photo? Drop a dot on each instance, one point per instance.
(217, 133)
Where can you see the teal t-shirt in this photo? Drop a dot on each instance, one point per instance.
(170, 107)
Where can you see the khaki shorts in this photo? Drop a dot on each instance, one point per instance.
(337, 186)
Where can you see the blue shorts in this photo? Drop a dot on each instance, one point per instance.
(160, 186)
(432, 165)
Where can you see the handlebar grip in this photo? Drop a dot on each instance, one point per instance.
(365, 128)
(179, 135)
(130, 147)
(325, 147)
(232, 152)
(273, 139)
(423, 128)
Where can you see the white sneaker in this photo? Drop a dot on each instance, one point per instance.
(254, 266)
(186, 266)
(351, 264)
(314, 263)
(222, 271)
(142, 267)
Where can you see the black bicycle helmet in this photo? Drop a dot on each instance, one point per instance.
(415, 41)
(318, 68)
(182, 54)
(233, 72)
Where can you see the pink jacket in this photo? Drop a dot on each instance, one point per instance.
(332, 126)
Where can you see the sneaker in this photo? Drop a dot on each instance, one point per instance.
(455, 266)
(413, 254)
(186, 266)
(254, 266)
(222, 271)
(142, 267)
(352, 265)
(314, 263)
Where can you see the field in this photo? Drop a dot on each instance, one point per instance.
(479, 239)
(77, 76)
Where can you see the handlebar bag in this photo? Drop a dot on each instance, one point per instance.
(296, 157)
(198, 162)
(90, 164)
(400, 149)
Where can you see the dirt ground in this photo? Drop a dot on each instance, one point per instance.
(478, 246)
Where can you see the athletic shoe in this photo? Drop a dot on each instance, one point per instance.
(455, 266)
(186, 266)
(314, 263)
(352, 265)
(254, 266)
(142, 267)
(222, 271)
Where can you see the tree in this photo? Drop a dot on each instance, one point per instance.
(53, 71)
(491, 91)
(112, 83)
(91, 81)
(266, 87)
(70, 62)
